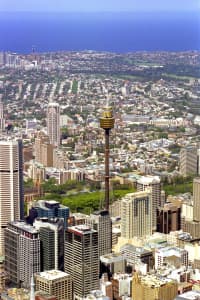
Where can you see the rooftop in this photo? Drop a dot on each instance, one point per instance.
(146, 180)
(112, 257)
(52, 274)
(48, 204)
(155, 281)
(191, 295)
(169, 251)
(139, 250)
(24, 226)
(53, 104)
(81, 229)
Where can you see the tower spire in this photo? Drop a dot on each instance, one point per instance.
(32, 293)
(107, 123)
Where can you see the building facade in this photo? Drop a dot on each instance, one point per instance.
(153, 183)
(53, 123)
(113, 263)
(171, 255)
(44, 150)
(2, 120)
(168, 218)
(49, 209)
(136, 218)
(151, 287)
(55, 283)
(52, 242)
(188, 161)
(11, 185)
(22, 252)
(196, 199)
(101, 222)
(137, 255)
(82, 259)
(121, 284)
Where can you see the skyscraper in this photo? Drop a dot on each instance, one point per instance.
(136, 218)
(188, 161)
(82, 259)
(22, 252)
(152, 182)
(43, 150)
(196, 199)
(52, 243)
(2, 120)
(11, 185)
(101, 222)
(53, 123)
(168, 218)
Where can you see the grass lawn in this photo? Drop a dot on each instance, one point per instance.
(88, 202)
(178, 188)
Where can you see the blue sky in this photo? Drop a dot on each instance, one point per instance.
(99, 5)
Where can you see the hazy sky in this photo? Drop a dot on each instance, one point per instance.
(99, 5)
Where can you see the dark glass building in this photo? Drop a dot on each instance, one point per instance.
(48, 209)
(52, 242)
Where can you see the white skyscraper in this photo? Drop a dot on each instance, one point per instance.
(22, 252)
(2, 121)
(136, 217)
(11, 185)
(53, 123)
(153, 183)
(196, 199)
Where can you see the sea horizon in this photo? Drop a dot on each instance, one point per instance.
(107, 32)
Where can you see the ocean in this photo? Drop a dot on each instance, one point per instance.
(118, 32)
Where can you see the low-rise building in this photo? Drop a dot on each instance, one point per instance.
(152, 287)
(171, 255)
(55, 283)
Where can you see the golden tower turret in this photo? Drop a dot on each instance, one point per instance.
(107, 122)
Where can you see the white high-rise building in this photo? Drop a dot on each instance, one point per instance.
(153, 183)
(53, 123)
(22, 252)
(136, 215)
(11, 185)
(2, 121)
(196, 199)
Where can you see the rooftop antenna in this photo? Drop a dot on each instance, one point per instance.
(108, 100)
(51, 98)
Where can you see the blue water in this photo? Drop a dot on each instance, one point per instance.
(102, 32)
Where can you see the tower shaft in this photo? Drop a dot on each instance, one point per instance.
(107, 123)
(107, 171)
